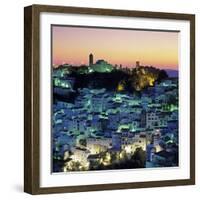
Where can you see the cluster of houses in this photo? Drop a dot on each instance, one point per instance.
(101, 121)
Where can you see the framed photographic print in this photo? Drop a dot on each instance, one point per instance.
(109, 99)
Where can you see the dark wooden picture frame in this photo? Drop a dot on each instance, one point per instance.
(32, 96)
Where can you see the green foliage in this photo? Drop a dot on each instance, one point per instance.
(105, 76)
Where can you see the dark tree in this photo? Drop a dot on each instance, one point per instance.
(140, 157)
(162, 75)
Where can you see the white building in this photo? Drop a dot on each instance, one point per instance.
(131, 144)
(80, 155)
(152, 120)
(97, 145)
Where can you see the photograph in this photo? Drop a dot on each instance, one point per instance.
(114, 98)
(109, 99)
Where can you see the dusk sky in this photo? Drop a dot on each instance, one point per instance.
(74, 44)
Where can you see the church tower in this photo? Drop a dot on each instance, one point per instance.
(90, 59)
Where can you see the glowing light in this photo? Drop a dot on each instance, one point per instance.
(158, 148)
(121, 155)
(128, 149)
(64, 169)
(123, 126)
(120, 87)
(151, 81)
(90, 70)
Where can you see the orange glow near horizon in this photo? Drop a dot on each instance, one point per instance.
(73, 45)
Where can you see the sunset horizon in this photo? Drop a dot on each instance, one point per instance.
(124, 47)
